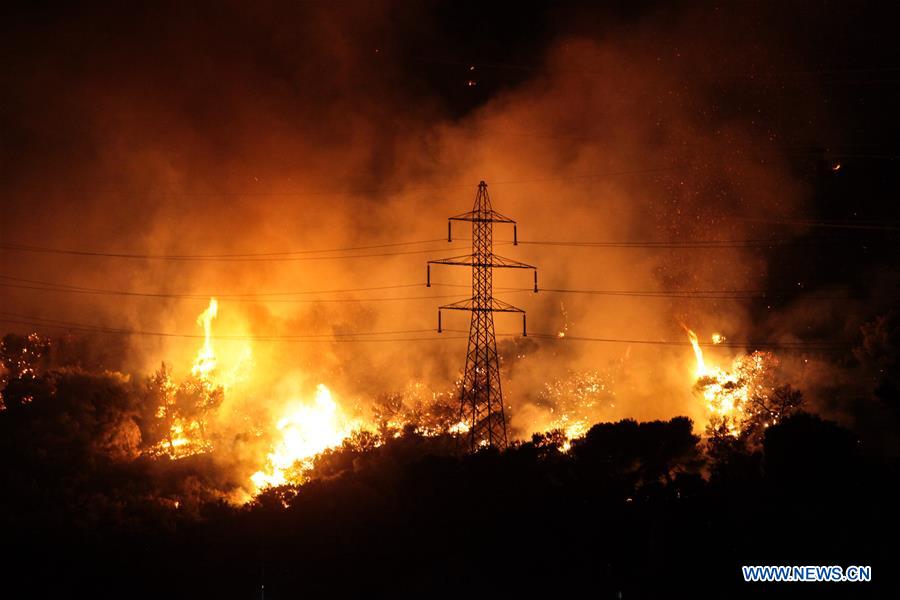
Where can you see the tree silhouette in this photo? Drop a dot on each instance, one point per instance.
(879, 354)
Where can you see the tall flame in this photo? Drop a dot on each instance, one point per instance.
(700, 371)
(186, 431)
(206, 358)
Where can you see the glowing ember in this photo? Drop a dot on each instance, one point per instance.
(306, 430)
(565, 328)
(576, 403)
(20, 360)
(460, 428)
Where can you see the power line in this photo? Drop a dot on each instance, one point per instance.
(696, 294)
(37, 285)
(700, 244)
(46, 286)
(299, 255)
(364, 336)
(254, 339)
(800, 345)
(205, 296)
(98, 292)
(274, 257)
(812, 345)
(371, 336)
(19, 246)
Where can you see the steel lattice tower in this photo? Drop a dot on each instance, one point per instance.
(481, 395)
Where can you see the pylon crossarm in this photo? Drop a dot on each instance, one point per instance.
(466, 304)
(465, 261)
(501, 306)
(491, 217)
(470, 260)
(498, 261)
(469, 304)
(482, 217)
(476, 309)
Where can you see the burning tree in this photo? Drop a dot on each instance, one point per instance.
(395, 413)
(743, 400)
(576, 402)
(184, 410)
(182, 414)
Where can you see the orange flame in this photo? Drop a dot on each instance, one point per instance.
(727, 393)
(206, 358)
(306, 430)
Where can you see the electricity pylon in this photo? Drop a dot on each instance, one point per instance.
(481, 396)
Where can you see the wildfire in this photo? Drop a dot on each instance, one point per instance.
(576, 402)
(205, 363)
(185, 408)
(731, 395)
(306, 430)
(700, 371)
(184, 430)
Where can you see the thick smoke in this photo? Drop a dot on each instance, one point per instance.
(187, 130)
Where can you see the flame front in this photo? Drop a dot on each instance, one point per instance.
(306, 430)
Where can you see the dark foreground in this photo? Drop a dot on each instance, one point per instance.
(631, 511)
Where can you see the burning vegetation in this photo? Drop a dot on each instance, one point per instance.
(189, 420)
(282, 448)
(743, 399)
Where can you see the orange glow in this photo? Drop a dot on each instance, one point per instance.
(728, 394)
(206, 358)
(307, 429)
(700, 371)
